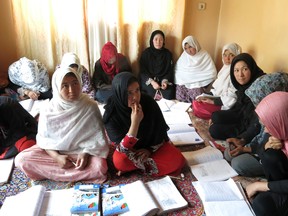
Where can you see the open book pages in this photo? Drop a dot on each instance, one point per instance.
(34, 106)
(222, 198)
(37, 201)
(183, 134)
(6, 166)
(207, 164)
(155, 197)
(173, 105)
(203, 95)
(25, 203)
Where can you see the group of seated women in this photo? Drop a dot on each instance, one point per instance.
(250, 113)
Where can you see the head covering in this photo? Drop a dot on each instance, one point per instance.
(267, 84)
(71, 127)
(194, 71)
(117, 116)
(255, 70)
(272, 112)
(222, 86)
(29, 74)
(71, 58)
(233, 48)
(109, 51)
(156, 63)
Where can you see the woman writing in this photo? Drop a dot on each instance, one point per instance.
(135, 124)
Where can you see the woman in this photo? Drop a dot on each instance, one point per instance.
(245, 159)
(71, 142)
(72, 60)
(110, 64)
(30, 78)
(239, 123)
(18, 128)
(135, 124)
(194, 70)
(272, 197)
(222, 87)
(156, 68)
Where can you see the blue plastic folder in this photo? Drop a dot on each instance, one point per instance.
(86, 198)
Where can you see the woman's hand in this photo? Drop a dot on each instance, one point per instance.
(164, 85)
(205, 100)
(32, 94)
(255, 187)
(64, 161)
(137, 113)
(273, 143)
(236, 146)
(142, 154)
(155, 85)
(82, 161)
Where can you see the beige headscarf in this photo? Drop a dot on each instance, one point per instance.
(71, 127)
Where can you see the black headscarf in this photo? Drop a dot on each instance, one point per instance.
(117, 116)
(244, 106)
(157, 62)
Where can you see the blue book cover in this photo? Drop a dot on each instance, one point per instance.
(113, 201)
(86, 199)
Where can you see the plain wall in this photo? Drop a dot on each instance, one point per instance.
(7, 39)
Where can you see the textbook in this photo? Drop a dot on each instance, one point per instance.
(152, 198)
(183, 134)
(6, 166)
(37, 201)
(113, 201)
(86, 198)
(223, 198)
(34, 106)
(203, 95)
(207, 164)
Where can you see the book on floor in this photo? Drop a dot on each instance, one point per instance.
(37, 201)
(113, 201)
(223, 198)
(86, 198)
(208, 164)
(183, 134)
(152, 198)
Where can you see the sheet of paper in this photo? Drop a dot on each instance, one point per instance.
(186, 138)
(213, 171)
(177, 117)
(180, 128)
(203, 155)
(6, 166)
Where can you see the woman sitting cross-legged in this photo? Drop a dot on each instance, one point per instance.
(71, 142)
(135, 123)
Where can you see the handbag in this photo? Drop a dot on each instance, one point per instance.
(204, 110)
(158, 95)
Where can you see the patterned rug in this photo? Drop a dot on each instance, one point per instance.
(19, 182)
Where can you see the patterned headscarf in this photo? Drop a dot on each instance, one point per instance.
(267, 84)
(272, 112)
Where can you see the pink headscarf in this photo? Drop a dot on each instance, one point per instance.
(273, 113)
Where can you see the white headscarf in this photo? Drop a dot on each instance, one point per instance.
(71, 58)
(71, 127)
(194, 71)
(223, 86)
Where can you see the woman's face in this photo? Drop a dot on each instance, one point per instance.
(189, 49)
(134, 94)
(242, 73)
(112, 60)
(227, 57)
(158, 41)
(70, 88)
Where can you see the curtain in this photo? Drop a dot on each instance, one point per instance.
(47, 29)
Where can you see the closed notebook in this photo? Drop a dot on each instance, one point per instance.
(86, 199)
(113, 201)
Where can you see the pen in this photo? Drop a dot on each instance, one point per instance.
(73, 162)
